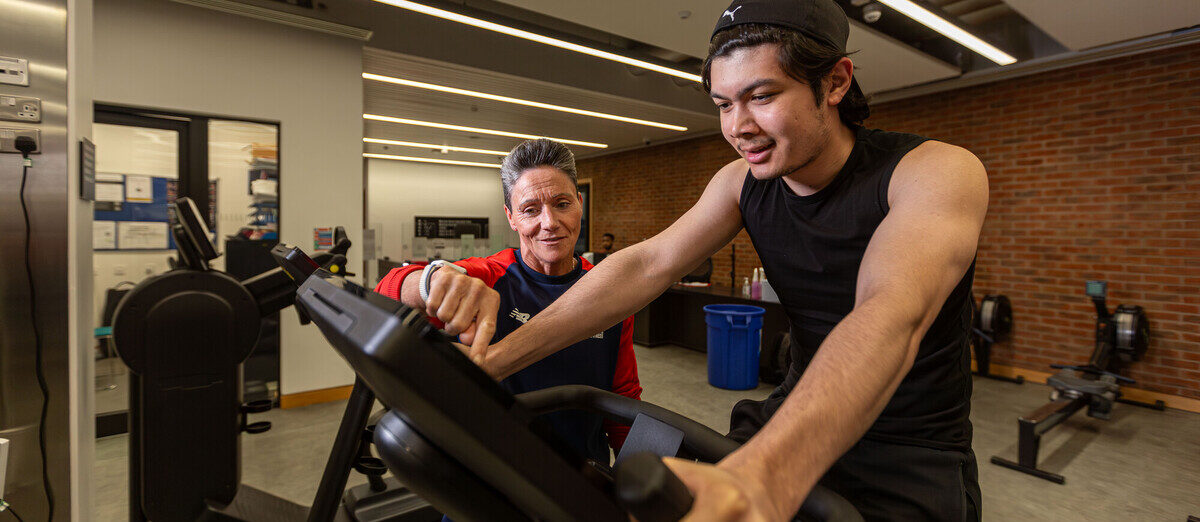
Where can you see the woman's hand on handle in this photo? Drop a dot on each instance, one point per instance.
(723, 494)
(467, 306)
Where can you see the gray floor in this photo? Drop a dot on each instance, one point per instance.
(1140, 465)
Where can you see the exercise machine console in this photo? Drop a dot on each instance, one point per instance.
(477, 452)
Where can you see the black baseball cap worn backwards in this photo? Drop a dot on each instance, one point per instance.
(820, 20)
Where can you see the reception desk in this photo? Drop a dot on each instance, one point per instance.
(677, 316)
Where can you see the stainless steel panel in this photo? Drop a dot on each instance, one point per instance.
(36, 30)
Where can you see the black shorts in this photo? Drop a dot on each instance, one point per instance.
(892, 481)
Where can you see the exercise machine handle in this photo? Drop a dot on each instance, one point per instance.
(699, 441)
(649, 491)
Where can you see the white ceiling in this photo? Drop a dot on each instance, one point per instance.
(656, 22)
(1083, 24)
(420, 104)
(881, 63)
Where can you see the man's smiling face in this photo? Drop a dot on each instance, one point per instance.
(770, 118)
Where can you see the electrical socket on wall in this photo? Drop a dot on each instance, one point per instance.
(8, 139)
(20, 108)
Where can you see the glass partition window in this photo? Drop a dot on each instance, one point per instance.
(132, 164)
(243, 161)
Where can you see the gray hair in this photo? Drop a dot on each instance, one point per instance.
(530, 154)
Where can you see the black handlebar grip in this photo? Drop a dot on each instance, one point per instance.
(649, 491)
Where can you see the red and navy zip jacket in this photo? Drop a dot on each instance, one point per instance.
(605, 361)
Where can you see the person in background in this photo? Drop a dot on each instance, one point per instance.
(606, 247)
(476, 297)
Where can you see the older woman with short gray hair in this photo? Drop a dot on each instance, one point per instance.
(475, 297)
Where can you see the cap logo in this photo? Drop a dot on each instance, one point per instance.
(730, 13)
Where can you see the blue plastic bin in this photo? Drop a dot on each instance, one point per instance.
(734, 335)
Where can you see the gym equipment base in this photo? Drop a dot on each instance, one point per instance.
(1039, 473)
(1020, 379)
(1029, 432)
(1157, 405)
(396, 504)
(255, 504)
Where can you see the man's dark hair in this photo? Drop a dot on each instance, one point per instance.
(802, 58)
(610, 236)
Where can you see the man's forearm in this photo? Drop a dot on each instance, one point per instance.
(611, 291)
(850, 380)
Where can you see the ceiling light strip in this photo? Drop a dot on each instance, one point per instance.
(949, 30)
(518, 101)
(431, 160)
(433, 146)
(406, 121)
(561, 44)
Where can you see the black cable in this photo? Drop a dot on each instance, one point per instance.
(14, 512)
(37, 339)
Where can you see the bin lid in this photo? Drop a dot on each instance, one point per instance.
(735, 309)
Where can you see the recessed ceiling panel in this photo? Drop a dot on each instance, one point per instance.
(1083, 24)
(401, 101)
(883, 63)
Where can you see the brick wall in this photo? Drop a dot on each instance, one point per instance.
(1094, 172)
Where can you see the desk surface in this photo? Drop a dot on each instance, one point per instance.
(719, 291)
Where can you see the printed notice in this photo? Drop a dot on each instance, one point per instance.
(142, 235)
(110, 192)
(139, 189)
(104, 235)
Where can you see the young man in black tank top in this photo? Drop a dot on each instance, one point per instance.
(868, 238)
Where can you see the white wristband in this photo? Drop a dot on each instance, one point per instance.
(427, 275)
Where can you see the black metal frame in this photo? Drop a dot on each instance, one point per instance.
(1101, 369)
(1030, 429)
(984, 336)
(471, 448)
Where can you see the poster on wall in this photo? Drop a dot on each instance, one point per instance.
(104, 235)
(149, 219)
(142, 235)
(110, 192)
(139, 189)
(322, 238)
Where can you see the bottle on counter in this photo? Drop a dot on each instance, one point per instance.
(756, 285)
(746, 286)
(768, 292)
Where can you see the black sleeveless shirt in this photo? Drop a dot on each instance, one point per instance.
(811, 248)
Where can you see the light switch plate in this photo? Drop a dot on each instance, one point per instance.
(14, 71)
(20, 108)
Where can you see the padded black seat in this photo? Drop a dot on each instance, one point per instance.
(1069, 380)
